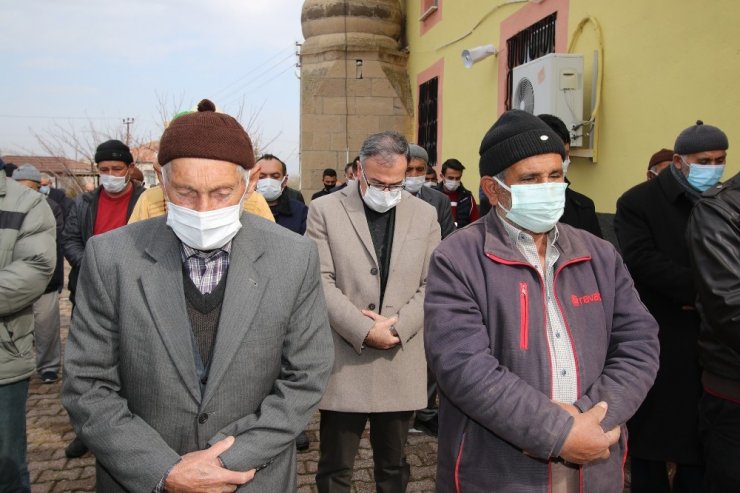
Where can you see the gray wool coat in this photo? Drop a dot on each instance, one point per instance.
(368, 379)
(130, 383)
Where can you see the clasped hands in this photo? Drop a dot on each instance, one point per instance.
(203, 472)
(382, 334)
(587, 441)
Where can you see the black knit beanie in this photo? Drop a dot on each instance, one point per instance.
(516, 135)
(700, 138)
(113, 150)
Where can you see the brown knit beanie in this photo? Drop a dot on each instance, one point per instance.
(208, 135)
(660, 157)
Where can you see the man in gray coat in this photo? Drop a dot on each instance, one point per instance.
(28, 256)
(374, 242)
(200, 345)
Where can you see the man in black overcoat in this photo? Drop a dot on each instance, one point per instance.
(650, 225)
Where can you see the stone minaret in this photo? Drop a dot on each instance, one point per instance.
(353, 81)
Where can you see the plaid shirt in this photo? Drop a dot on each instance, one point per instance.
(564, 378)
(206, 269)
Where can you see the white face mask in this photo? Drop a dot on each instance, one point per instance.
(381, 201)
(271, 189)
(413, 184)
(429, 184)
(452, 185)
(204, 230)
(535, 208)
(114, 184)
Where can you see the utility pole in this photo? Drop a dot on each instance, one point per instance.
(128, 122)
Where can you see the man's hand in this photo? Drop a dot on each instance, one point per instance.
(202, 472)
(587, 441)
(381, 335)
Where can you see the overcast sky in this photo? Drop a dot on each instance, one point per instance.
(83, 62)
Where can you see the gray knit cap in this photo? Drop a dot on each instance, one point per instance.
(418, 152)
(27, 172)
(700, 138)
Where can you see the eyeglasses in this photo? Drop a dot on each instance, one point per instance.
(381, 187)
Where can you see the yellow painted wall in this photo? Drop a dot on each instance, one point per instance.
(667, 63)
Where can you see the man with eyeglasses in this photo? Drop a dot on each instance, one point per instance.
(650, 224)
(374, 241)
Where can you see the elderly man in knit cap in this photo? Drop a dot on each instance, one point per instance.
(200, 344)
(650, 224)
(540, 345)
(414, 184)
(658, 162)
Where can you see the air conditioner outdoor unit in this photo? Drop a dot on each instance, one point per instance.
(552, 84)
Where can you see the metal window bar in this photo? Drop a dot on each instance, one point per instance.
(428, 118)
(533, 42)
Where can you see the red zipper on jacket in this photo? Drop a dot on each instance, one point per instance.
(457, 465)
(544, 307)
(523, 316)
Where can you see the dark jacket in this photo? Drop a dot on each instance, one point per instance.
(580, 212)
(321, 193)
(294, 194)
(464, 206)
(58, 196)
(484, 331)
(57, 280)
(442, 204)
(78, 228)
(291, 214)
(650, 224)
(714, 243)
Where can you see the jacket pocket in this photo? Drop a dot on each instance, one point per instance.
(523, 315)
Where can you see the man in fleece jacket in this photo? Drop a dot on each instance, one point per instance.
(540, 345)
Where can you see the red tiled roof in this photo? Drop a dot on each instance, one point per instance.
(53, 165)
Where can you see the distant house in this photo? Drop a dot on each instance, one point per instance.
(145, 156)
(67, 174)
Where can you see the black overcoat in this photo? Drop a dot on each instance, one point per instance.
(650, 225)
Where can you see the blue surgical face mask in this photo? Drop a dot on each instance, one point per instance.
(704, 176)
(537, 207)
(44, 189)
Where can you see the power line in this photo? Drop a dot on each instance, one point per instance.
(250, 73)
(236, 94)
(259, 76)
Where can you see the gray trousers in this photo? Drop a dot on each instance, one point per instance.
(46, 332)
